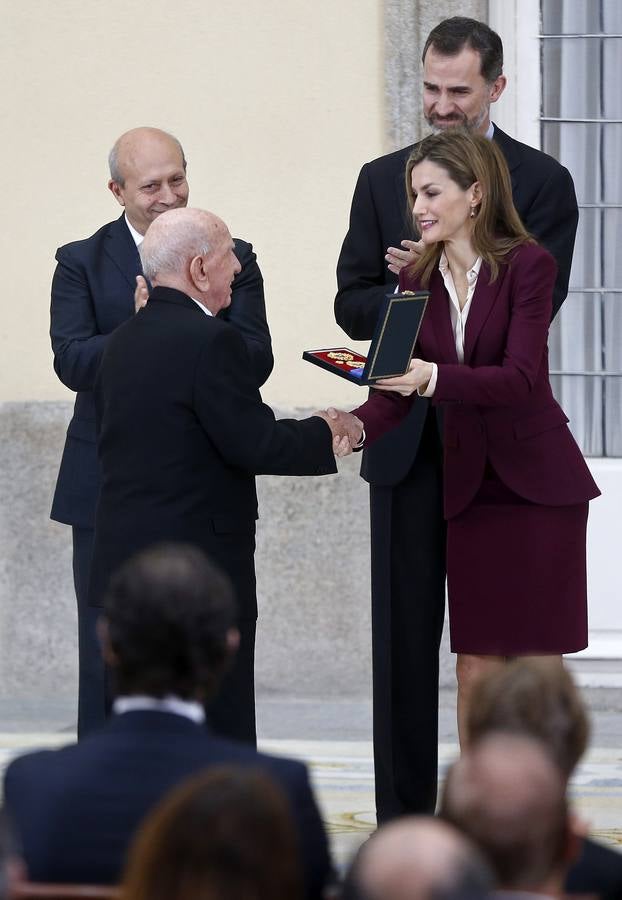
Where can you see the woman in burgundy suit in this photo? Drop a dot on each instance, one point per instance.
(516, 485)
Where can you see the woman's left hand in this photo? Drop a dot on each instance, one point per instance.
(417, 377)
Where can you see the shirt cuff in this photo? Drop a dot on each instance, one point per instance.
(429, 391)
(358, 447)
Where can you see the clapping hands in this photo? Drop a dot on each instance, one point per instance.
(346, 429)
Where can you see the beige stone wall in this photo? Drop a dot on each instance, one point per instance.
(277, 104)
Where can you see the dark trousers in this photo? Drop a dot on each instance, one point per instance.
(408, 605)
(92, 703)
(231, 714)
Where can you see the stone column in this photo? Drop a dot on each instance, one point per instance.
(407, 24)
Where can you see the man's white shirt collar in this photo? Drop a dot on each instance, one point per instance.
(189, 709)
(136, 235)
(490, 131)
(204, 308)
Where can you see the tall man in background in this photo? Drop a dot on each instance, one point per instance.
(93, 293)
(462, 77)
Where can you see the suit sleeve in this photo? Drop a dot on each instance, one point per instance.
(552, 218)
(314, 846)
(245, 430)
(76, 342)
(247, 312)
(511, 382)
(361, 269)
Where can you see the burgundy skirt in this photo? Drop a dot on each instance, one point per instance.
(516, 575)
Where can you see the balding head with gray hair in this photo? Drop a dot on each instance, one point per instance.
(506, 794)
(418, 858)
(192, 251)
(173, 239)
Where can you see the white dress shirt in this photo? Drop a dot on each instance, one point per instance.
(136, 235)
(190, 709)
(458, 316)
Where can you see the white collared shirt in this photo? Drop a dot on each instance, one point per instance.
(136, 235)
(190, 709)
(458, 316)
(207, 311)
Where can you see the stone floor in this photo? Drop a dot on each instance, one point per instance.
(334, 737)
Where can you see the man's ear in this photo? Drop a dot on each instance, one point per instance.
(103, 636)
(115, 189)
(199, 274)
(497, 88)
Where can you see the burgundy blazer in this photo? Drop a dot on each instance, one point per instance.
(499, 404)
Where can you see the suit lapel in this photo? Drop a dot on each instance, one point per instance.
(483, 300)
(511, 152)
(437, 314)
(122, 250)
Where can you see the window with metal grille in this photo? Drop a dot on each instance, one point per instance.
(581, 125)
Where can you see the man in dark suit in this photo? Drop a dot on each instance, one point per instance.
(92, 293)
(167, 634)
(462, 74)
(183, 432)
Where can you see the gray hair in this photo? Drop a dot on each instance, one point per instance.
(117, 175)
(175, 243)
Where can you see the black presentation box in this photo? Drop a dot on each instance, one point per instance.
(391, 348)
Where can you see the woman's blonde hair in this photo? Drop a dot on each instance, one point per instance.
(468, 158)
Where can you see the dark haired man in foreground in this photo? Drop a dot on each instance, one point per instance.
(168, 634)
(462, 77)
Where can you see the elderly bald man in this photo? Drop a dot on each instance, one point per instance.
(418, 858)
(92, 293)
(507, 795)
(183, 432)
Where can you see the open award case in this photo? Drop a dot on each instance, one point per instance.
(391, 348)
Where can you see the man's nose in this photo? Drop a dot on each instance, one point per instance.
(167, 194)
(444, 105)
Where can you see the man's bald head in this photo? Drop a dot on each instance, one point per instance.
(418, 858)
(506, 794)
(191, 250)
(128, 147)
(147, 175)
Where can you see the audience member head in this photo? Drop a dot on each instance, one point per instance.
(169, 623)
(507, 796)
(147, 175)
(224, 835)
(532, 698)
(462, 74)
(191, 250)
(417, 858)
(458, 184)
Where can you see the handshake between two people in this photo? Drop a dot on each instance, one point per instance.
(346, 429)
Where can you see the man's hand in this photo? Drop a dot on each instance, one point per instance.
(346, 429)
(408, 254)
(141, 294)
(417, 377)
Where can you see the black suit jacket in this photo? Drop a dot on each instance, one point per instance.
(76, 809)
(544, 196)
(93, 293)
(183, 431)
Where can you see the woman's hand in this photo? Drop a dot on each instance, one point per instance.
(418, 376)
